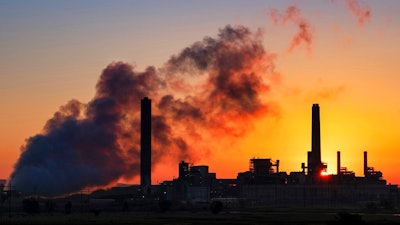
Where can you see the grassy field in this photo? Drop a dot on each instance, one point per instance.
(254, 216)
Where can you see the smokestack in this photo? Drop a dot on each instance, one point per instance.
(309, 162)
(145, 143)
(277, 166)
(365, 163)
(338, 163)
(315, 163)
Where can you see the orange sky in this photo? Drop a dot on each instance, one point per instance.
(349, 68)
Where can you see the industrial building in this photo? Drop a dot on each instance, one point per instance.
(264, 183)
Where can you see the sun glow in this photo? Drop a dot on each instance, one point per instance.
(324, 173)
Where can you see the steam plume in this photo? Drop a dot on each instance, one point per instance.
(360, 10)
(293, 14)
(210, 90)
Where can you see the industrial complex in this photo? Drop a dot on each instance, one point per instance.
(263, 183)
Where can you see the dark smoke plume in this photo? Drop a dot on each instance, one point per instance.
(208, 92)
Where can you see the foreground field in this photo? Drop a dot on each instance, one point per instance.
(259, 216)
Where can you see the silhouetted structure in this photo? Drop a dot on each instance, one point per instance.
(314, 164)
(183, 169)
(193, 184)
(369, 172)
(263, 183)
(342, 172)
(145, 143)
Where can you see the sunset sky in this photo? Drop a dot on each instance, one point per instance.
(342, 54)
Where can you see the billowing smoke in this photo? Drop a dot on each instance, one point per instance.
(292, 14)
(208, 92)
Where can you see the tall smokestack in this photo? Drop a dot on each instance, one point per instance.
(145, 143)
(315, 142)
(365, 163)
(338, 163)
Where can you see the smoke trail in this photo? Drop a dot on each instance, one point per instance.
(293, 14)
(95, 144)
(87, 145)
(360, 10)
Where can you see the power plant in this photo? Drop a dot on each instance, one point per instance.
(264, 183)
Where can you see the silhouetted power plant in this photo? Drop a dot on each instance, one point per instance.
(264, 183)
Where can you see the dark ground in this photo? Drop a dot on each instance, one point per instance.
(254, 216)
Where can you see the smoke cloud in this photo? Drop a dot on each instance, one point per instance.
(209, 91)
(292, 14)
(360, 10)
